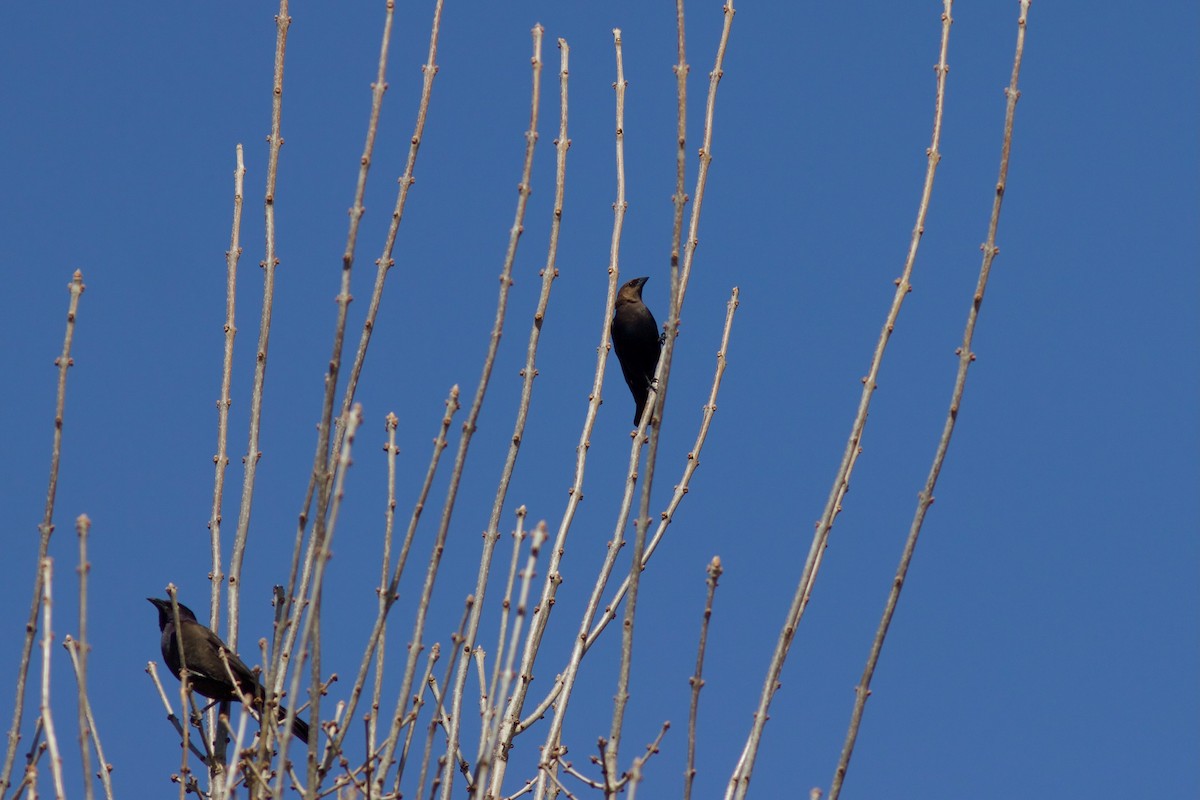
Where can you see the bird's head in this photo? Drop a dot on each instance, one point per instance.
(166, 616)
(632, 290)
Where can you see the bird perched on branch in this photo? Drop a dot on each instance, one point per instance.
(636, 340)
(207, 672)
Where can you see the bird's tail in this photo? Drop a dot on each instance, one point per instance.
(299, 726)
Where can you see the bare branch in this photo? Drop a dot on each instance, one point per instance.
(965, 358)
(740, 779)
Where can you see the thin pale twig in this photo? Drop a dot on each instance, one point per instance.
(60, 792)
(714, 571)
(269, 264)
(45, 529)
(221, 459)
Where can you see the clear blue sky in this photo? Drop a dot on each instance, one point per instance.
(1046, 643)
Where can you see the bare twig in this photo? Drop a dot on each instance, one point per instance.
(634, 777)
(497, 698)
(541, 615)
(74, 650)
(575, 492)
(269, 263)
(78, 649)
(152, 671)
(60, 791)
(434, 652)
(63, 362)
(965, 358)
(221, 459)
(740, 779)
(697, 681)
(389, 525)
(680, 199)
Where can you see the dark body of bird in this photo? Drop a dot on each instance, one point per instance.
(207, 673)
(637, 342)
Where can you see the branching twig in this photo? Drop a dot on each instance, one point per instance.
(634, 777)
(74, 649)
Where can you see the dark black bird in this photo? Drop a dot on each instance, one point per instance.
(636, 340)
(206, 670)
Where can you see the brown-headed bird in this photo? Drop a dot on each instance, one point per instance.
(206, 669)
(636, 340)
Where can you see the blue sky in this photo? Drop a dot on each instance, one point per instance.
(1046, 641)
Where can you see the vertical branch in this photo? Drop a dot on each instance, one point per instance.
(221, 459)
(82, 525)
(740, 779)
(496, 696)
(384, 587)
(529, 372)
(680, 198)
(541, 614)
(697, 681)
(269, 263)
(965, 358)
(575, 492)
(662, 379)
(523, 191)
(60, 792)
(45, 529)
(610, 749)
